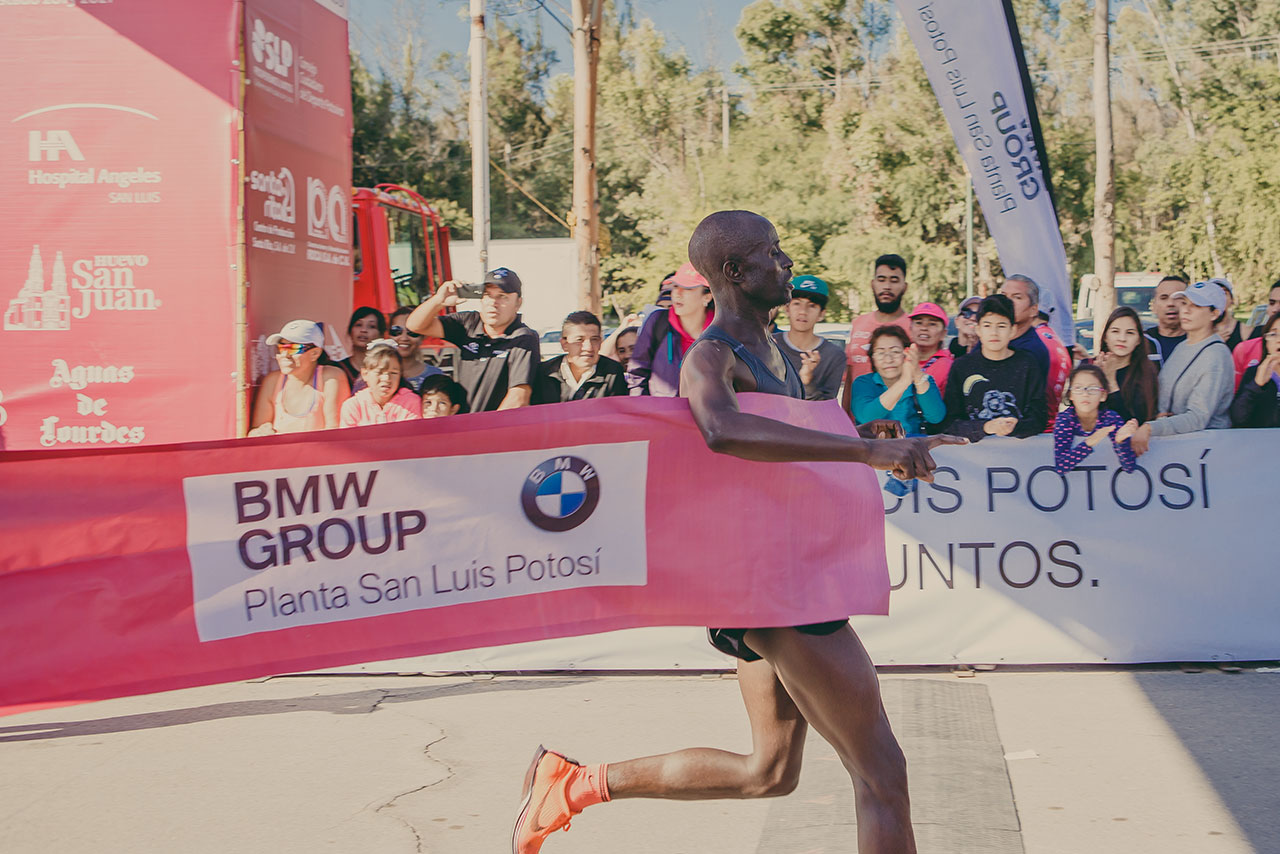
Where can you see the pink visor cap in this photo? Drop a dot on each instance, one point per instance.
(687, 277)
(928, 309)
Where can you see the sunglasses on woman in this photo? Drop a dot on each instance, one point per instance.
(970, 313)
(295, 350)
(397, 331)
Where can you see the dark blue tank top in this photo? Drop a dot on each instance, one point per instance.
(766, 382)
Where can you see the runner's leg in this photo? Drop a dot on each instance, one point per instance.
(834, 685)
(771, 769)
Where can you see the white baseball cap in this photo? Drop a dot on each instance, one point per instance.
(1207, 294)
(299, 332)
(1225, 284)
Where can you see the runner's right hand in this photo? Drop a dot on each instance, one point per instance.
(909, 458)
(881, 428)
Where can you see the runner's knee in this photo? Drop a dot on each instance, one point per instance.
(881, 769)
(772, 777)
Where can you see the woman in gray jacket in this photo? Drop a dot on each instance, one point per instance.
(1198, 379)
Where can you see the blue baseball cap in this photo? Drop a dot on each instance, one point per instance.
(811, 288)
(505, 279)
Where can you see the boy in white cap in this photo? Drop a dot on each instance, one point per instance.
(1228, 328)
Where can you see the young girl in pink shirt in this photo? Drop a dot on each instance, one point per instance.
(383, 399)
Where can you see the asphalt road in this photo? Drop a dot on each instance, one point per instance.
(1119, 761)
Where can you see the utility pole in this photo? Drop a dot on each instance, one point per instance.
(478, 120)
(1104, 187)
(724, 119)
(587, 16)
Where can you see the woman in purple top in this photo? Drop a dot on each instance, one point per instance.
(1086, 390)
(667, 334)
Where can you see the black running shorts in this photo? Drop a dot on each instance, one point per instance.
(732, 641)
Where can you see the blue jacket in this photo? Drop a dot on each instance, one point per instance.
(864, 398)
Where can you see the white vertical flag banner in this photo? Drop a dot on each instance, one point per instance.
(973, 57)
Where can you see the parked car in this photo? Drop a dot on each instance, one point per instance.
(1133, 290)
(1084, 332)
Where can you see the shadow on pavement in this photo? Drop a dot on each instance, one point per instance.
(352, 703)
(1228, 723)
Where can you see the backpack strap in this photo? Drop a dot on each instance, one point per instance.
(661, 330)
(1174, 388)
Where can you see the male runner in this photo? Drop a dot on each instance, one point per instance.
(790, 678)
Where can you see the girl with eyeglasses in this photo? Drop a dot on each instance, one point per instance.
(305, 394)
(1257, 401)
(1084, 417)
(409, 344)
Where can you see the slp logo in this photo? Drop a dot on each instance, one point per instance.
(327, 217)
(271, 51)
(560, 494)
(51, 145)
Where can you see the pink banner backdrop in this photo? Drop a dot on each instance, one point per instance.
(98, 597)
(297, 138)
(117, 255)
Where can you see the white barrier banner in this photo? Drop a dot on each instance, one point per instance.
(972, 55)
(1001, 560)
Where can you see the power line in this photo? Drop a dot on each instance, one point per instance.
(553, 17)
(555, 144)
(530, 196)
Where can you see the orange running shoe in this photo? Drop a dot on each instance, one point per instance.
(544, 807)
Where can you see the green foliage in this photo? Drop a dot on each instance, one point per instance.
(837, 137)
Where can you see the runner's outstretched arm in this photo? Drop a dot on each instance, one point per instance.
(707, 380)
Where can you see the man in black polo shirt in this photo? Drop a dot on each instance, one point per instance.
(499, 354)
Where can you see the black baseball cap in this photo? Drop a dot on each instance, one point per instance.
(505, 279)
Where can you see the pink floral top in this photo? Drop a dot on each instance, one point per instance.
(360, 409)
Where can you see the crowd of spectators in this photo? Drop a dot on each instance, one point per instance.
(1003, 373)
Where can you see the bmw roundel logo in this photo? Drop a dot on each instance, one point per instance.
(561, 493)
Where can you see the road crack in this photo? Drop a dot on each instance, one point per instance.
(448, 775)
(385, 694)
